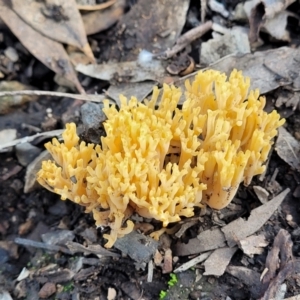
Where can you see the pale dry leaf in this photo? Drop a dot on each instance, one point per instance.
(234, 41)
(49, 52)
(240, 229)
(139, 89)
(32, 169)
(59, 20)
(191, 263)
(27, 139)
(103, 19)
(288, 148)
(131, 71)
(218, 261)
(261, 193)
(273, 7)
(269, 15)
(253, 244)
(205, 241)
(262, 67)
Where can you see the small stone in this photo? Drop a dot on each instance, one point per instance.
(47, 290)
(26, 153)
(195, 295)
(92, 117)
(11, 54)
(17, 185)
(139, 247)
(58, 209)
(4, 256)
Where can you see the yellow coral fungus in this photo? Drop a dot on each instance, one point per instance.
(161, 161)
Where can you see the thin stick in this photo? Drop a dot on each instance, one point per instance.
(95, 98)
(31, 243)
(187, 38)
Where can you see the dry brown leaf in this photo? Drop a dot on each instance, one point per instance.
(101, 20)
(49, 52)
(59, 20)
(288, 148)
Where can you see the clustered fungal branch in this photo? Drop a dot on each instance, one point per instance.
(161, 161)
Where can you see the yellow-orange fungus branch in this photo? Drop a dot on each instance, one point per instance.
(161, 161)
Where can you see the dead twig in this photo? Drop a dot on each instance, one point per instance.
(40, 245)
(280, 257)
(94, 98)
(187, 38)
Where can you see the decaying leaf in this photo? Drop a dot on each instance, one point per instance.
(218, 261)
(288, 148)
(289, 99)
(261, 193)
(235, 41)
(140, 90)
(240, 228)
(132, 71)
(30, 178)
(59, 20)
(103, 19)
(205, 241)
(50, 53)
(269, 15)
(253, 244)
(191, 263)
(267, 70)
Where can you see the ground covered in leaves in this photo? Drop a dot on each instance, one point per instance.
(51, 249)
